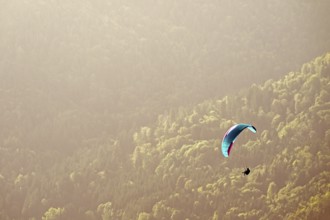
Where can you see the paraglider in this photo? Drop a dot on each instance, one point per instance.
(246, 172)
(230, 137)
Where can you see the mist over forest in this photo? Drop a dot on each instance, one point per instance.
(116, 109)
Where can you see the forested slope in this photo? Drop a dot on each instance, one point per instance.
(179, 159)
(99, 113)
(118, 64)
(177, 171)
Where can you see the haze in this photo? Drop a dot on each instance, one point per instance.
(89, 89)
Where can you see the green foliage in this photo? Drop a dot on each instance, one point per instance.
(99, 113)
(53, 214)
(176, 170)
(106, 211)
(285, 157)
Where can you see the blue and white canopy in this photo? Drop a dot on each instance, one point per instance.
(231, 135)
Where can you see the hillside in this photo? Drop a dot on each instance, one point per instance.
(115, 109)
(176, 170)
(119, 64)
(178, 160)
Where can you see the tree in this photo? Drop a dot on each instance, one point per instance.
(53, 214)
(144, 216)
(106, 211)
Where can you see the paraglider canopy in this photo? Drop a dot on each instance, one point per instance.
(231, 135)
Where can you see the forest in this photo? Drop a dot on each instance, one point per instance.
(176, 170)
(116, 109)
